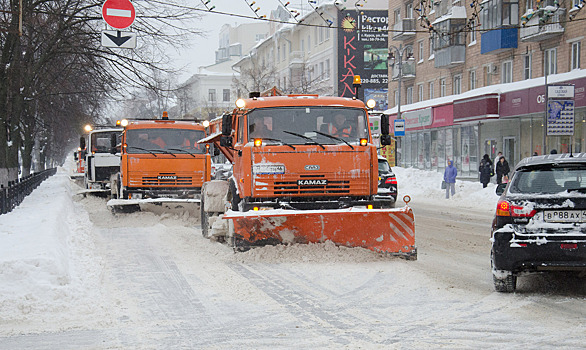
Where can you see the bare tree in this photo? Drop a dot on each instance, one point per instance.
(255, 76)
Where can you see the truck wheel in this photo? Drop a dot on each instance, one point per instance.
(233, 196)
(504, 281)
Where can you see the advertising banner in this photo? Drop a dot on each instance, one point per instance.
(363, 50)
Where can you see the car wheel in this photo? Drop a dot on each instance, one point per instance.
(504, 281)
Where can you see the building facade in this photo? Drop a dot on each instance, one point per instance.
(475, 84)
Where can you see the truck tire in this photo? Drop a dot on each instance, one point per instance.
(233, 196)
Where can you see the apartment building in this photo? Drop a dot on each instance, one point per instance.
(475, 84)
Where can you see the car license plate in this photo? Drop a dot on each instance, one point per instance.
(565, 216)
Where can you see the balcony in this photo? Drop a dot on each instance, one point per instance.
(450, 56)
(533, 31)
(498, 40)
(297, 59)
(404, 30)
(408, 71)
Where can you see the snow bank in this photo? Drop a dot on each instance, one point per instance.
(425, 186)
(47, 266)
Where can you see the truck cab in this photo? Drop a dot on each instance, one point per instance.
(102, 157)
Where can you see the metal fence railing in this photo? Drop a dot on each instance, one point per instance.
(17, 190)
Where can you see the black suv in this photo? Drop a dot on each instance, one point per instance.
(540, 221)
(387, 181)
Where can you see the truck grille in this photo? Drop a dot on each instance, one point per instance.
(167, 179)
(287, 185)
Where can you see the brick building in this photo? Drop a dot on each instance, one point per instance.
(472, 92)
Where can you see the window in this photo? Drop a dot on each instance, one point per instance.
(321, 71)
(396, 97)
(453, 33)
(550, 61)
(327, 34)
(409, 10)
(302, 45)
(328, 68)
(397, 16)
(409, 94)
(284, 52)
(259, 37)
(321, 34)
(442, 87)
(488, 71)
(499, 13)
(575, 64)
(212, 95)
(457, 85)
(284, 82)
(472, 32)
(507, 72)
(316, 36)
(431, 90)
(309, 43)
(278, 53)
(527, 67)
(420, 51)
(431, 49)
(226, 95)
(420, 92)
(472, 82)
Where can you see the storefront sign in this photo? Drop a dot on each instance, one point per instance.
(418, 118)
(560, 91)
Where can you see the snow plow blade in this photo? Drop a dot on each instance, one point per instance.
(389, 231)
(155, 205)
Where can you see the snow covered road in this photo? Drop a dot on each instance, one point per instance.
(143, 281)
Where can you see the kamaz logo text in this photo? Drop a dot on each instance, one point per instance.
(312, 182)
(167, 177)
(312, 167)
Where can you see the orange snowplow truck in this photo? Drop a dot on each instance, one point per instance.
(304, 170)
(161, 164)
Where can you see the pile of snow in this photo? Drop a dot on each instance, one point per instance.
(425, 186)
(47, 265)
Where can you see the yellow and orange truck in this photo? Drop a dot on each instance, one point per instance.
(304, 170)
(162, 164)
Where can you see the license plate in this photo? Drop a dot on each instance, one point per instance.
(565, 216)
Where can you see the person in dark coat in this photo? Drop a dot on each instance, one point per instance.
(502, 169)
(485, 170)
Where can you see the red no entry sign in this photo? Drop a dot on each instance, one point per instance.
(118, 13)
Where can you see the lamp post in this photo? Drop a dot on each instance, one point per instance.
(396, 56)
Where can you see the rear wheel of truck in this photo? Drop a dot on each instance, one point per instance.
(233, 196)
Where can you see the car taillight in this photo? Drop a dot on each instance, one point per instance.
(504, 208)
(391, 180)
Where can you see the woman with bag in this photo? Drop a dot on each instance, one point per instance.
(450, 178)
(502, 170)
(485, 170)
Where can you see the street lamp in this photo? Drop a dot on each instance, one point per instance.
(401, 53)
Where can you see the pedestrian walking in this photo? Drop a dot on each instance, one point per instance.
(485, 170)
(502, 170)
(450, 178)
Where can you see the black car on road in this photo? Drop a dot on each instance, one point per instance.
(540, 221)
(387, 181)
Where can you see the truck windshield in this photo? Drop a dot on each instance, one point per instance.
(101, 141)
(169, 140)
(287, 123)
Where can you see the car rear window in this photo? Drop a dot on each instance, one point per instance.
(549, 179)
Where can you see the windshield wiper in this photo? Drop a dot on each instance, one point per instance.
(313, 142)
(143, 149)
(333, 138)
(181, 150)
(277, 140)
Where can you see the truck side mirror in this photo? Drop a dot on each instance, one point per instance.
(82, 142)
(226, 125)
(226, 141)
(216, 151)
(385, 138)
(113, 143)
(75, 155)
